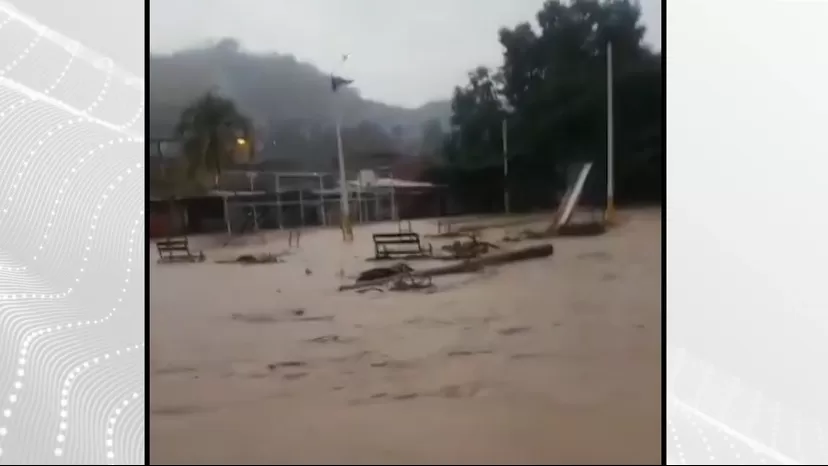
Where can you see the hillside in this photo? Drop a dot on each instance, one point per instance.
(289, 101)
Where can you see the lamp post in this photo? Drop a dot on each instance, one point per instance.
(505, 139)
(344, 200)
(610, 212)
(505, 168)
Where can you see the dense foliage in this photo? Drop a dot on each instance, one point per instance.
(551, 91)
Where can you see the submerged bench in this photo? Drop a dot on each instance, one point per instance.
(176, 249)
(389, 245)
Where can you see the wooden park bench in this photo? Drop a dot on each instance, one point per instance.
(389, 245)
(177, 249)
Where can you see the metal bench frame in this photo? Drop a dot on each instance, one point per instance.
(172, 246)
(383, 240)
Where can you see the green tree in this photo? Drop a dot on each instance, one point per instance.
(553, 79)
(477, 115)
(211, 131)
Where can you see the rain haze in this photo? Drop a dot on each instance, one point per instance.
(402, 52)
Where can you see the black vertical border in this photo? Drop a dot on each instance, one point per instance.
(664, 232)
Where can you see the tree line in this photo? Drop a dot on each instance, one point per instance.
(550, 93)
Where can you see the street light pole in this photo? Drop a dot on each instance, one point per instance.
(344, 204)
(344, 200)
(610, 213)
(505, 168)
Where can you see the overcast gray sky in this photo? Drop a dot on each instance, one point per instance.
(403, 52)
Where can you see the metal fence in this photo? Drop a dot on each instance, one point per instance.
(279, 200)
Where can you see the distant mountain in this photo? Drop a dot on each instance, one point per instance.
(289, 101)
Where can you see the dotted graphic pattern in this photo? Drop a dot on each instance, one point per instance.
(715, 418)
(71, 253)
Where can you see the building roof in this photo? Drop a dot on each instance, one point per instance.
(224, 193)
(396, 183)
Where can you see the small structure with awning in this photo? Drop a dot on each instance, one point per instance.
(278, 200)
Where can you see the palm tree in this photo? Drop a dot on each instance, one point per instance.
(210, 130)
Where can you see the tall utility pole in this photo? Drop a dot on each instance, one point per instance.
(610, 212)
(344, 204)
(344, 200)
(505, 167)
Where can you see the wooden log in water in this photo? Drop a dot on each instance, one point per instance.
(531, 252)
(467, 266)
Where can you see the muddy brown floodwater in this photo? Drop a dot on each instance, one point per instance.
(548, 360)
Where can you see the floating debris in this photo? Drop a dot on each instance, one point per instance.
(251, 259)
(384, 272)
(513, 330)
(276, 365)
